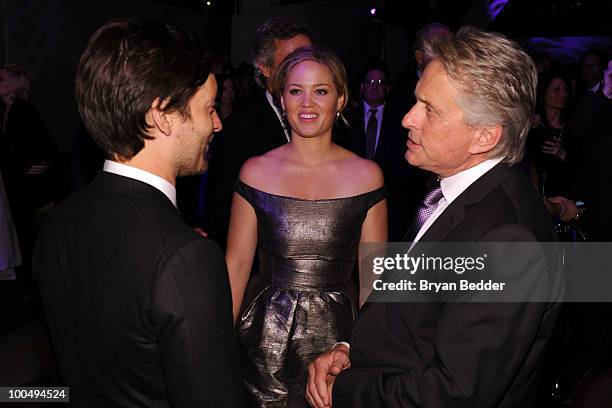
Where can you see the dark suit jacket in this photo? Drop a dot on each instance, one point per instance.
(26, 141)
(138, 305)
(459, 354)
(592, 183)
(251, 131)
(405, 183)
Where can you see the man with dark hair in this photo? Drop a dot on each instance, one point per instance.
(403, 94)
(591, 71)
(254, 130)
(138, 305)
(375, 132)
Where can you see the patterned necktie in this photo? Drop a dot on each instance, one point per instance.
(371, 130)
(429, 205)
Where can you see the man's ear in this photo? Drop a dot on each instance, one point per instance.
(265, 70)
(159, 119)
(486, 139)
(418, 56)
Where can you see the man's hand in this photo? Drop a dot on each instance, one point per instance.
(322, 373)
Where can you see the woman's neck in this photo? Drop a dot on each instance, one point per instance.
(553, 117)
(313, 151)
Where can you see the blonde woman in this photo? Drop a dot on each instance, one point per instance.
(306, 205)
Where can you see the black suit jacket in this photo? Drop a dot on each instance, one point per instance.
(460, 354)
(592, 183)
(251, 131)
(405, 183)
(137, 304)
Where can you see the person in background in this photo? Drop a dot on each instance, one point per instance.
(375, 132)
(27, 156)
(591, 67)
(584, 353)
(226, 95)
(403, 93)
(550, 146)
(274, 40)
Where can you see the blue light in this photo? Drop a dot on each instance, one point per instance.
(495, 7)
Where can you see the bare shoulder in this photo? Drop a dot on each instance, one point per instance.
(254, 171)
(257, 170)
(365, 173)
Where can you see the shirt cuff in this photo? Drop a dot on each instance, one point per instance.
(348, 346)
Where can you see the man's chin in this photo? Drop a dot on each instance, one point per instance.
(410, 158)
(194, 171)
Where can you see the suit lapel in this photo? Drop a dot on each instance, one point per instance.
(455, 213)
(278, 137)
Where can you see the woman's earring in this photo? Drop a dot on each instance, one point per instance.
(284, 113)
(337, 114)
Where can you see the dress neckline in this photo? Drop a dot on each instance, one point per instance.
(310, 200)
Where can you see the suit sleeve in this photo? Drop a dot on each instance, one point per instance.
(479, 348)
(192, 316)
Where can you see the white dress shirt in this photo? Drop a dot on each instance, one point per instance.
(595, 87)
(452, 187)
(151, 179)
(279, 114)
(379, 117)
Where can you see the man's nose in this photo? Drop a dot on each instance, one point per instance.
(408, 119)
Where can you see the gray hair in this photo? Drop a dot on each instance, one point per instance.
(264, 44)
(497, 82)
(427, 34)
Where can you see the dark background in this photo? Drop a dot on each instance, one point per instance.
(47, 36)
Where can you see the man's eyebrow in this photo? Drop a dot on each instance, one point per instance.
(423, 99)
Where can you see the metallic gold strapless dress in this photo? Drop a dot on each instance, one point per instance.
(302, 301)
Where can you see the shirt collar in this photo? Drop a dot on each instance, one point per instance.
(595, 87)
(367, 107)
(279, 114)
(151, 179)
(456, 184)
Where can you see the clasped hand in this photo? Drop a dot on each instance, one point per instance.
(553, 147)
(322, 373)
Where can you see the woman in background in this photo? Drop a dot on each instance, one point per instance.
(550, 147)
(226, 95)
(307, 205)
(27, 152)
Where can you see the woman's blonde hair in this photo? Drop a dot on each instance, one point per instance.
(320, 55)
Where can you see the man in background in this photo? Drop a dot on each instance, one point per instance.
(253, 130)
(375, 132)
